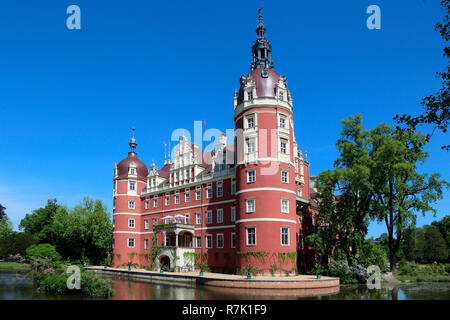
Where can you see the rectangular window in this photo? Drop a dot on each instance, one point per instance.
(220, 240)
(187, 220)
(155, 202)
(219, 215)
(283, 145)
(198, 242)
(299, 192)
(114, 203)
(198, 193)
(251, 146)
(250, 95)
(233, 240)
(209, 217)
(167, 199)
(147, 204)
(208, 241)
(198, 218)
(130, 223)
(146, 244)
(284, 176)
(155, 222)
(188, 174)
(209, 191)
(251, 236)
(132, 171)
(177, 197)
(250, 122)
(132, 186)
(284, 236)
(113, 243)
(114, 223)
(146, 224)
(250, 205)
(219, 189)
(233, 186)
(130, 204)
(233, 214)
(130, 243)
(251, 176)
(282, 122)
(281, 95)
(187, 195)
(285, 205)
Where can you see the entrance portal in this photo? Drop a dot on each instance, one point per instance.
(164, 262)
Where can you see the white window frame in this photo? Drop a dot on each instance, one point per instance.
(247, 201)
(247, 236)
(247, 122)
(131, 204)
(252, 143)
(131, 223)
(286, 209)
(233, 186)
(128, 243)
(132, 186)
(209, 217)
(287, 176)
(219, 187)
(285, 143)
(208, 236)
(155, 201)
(155, 222)
(209, 191)
(187, 220)
(167, 199)
(146, 224)
(197, 238)
(233, 214)
(187, 195)
(177, 197)
(198, 218)
(288, 236)
(233, 235)
(248, 175)
(282, 122)
(147, 204)
(146, 243)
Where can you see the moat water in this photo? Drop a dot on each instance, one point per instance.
(15, 286)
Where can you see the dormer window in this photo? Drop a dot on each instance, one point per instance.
(281, 95)
(250, 95)
(132, 171)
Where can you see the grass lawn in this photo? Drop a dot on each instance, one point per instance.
(13, 266)
(435, 278)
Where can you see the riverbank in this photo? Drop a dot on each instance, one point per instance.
(14, 266)
(225, 280)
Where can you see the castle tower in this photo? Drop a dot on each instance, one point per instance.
(267, 175)
(130, 177)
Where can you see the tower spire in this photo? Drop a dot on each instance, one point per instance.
(133, 143)
(261, 49)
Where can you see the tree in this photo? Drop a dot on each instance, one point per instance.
(39, 222)
(436, 105)
(444, 228)
(2, 212)
(345, 194)
(435, 246)
(400, 189)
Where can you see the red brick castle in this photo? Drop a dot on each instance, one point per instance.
(248, 203)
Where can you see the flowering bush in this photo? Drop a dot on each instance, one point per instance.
(348, 274)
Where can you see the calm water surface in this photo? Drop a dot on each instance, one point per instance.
(19, 287)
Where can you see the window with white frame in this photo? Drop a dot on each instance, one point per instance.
(233, 240)
(251, 176)
(233, 186)
(233, 214)
(250, 95)
(187, 220)
(219, 186)
(219, 240)
(167, 199)
(284, 236)
(114, 203)
(188, 175)
(209, 217)
(146, 244)
(250, 236)
(114, 223)
(284, 176)
(198, 242)
(155, 202)
(130, 243)
(130, 204)
(155, 222)
(147, 204)
(198, 193)
(282, 122)
(251, 146)
(285, 205)
(283, 146)
(177, 197)
(219, 215)
(187, 195)
(299, 192)
(198, 218)
(208, 241)
(146, 224)
(250, 204)
(131, 223)
(209, 191)
(132, 171)
(132, 186)
(281, 95)
(250, 121)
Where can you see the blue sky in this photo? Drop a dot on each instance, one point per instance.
(68, 98)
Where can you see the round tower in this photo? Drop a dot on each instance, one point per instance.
(266, 150)
(130, 177)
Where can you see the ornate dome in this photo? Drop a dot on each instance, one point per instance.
(265, 83)
(132, 161)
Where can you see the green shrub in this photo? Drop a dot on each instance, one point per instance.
(43, 250)
(407, 268)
